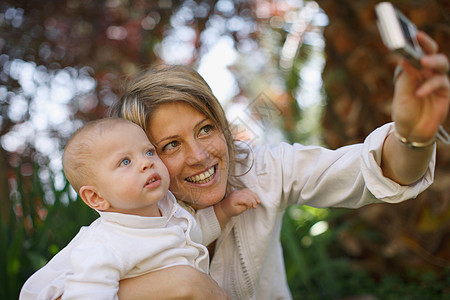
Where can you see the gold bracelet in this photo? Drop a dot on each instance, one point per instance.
(414, 145)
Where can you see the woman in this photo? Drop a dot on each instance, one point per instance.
(185, 121)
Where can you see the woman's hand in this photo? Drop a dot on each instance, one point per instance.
(421, 98)
(178, 282)
(420, 106)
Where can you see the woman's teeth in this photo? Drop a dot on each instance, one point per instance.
(203, 177)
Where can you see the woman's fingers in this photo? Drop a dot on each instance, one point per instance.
(436, 68)
(428, 45)
(437, 62)
(433, 84)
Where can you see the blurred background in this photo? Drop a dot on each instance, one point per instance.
(313, 72)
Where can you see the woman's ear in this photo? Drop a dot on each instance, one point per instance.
(93, 199)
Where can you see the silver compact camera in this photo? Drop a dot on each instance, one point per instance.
(398, 32)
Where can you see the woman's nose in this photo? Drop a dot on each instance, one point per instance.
(198, 154)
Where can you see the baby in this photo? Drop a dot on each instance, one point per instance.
(115, 170)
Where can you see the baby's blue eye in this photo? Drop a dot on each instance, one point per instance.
(125, 162)
(149, 153)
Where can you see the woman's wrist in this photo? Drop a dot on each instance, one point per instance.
(441, 134)
(413, 144)
(403, 164)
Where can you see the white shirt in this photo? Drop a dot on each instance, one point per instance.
(248, 261)
(118, 246)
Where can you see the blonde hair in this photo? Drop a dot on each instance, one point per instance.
(80, 151)
(169, 84)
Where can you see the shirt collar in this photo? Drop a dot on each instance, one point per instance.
(166, 206)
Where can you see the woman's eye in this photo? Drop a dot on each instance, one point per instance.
(206, 129)
(170, 146)
(149, 152)
(125, 162)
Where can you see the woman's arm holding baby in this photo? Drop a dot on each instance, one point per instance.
(178, 282)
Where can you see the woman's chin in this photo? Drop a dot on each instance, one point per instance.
(201, 198)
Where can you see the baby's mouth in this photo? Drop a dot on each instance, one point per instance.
(203, 177)
(154, 177)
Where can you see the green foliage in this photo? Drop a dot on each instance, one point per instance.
(35, 230)
(311, 272)
(315, 273)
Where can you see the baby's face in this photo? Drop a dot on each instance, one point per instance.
(129, 173)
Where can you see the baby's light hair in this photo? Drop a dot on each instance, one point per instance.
(80, 151)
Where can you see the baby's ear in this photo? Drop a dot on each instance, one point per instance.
(93, 199)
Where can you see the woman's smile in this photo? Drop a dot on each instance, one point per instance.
(194, 151)
(203, 177)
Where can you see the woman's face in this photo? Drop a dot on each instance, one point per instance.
(194, 151)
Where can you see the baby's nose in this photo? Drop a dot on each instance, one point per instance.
(147, 164)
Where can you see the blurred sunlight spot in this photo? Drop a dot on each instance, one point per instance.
(14, 140)
(44, 174)
(56, 161)
(45, 145)
(242, 125)
(116, 32)
(310, 92)
(14, 16)
(226, 7)
(59, 93)
(245, 127)
(84, 84)
(318, 228)
(72, 193)
(296, 213)
(214, 69)
(321, 19)
(178, 47)
(236, 24)
(3, 93)
(202, 10)
(59, 181)
(183, 16)
(311, 76)
(24, 74)
(11, 142)
(150, 21)
(18, 108)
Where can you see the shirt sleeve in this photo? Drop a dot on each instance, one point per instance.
(96, 274)
(382, 187)
(346, 177)
(40, 290)
(48, 282)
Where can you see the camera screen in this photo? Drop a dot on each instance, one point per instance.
(410, 39)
